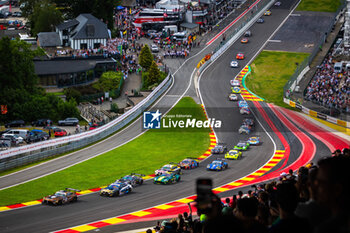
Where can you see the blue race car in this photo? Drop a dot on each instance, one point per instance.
(116, 189)
(217, 165)
(255, 141)
(244, 129)
(242, 104)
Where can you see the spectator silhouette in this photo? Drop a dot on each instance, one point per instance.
(247, 209)
(311, 210)
(287, 201)
(332, 184)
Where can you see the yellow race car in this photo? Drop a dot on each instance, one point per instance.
(236, 90)
(267, 13)
(233, 154)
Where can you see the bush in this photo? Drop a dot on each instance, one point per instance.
(72, 93)
(146, 57)
(114, 108)
(109, 80)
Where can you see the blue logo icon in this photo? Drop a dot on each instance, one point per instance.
(151, 120)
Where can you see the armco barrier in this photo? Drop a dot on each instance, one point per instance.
(34, 152)
(317, 114)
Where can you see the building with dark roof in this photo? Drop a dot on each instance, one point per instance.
(83, 32)
(48, 39)
(65, 72)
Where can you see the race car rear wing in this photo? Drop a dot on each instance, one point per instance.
(136, 174)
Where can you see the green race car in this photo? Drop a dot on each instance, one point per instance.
(167, 178)
(242, 145)
(233, 154)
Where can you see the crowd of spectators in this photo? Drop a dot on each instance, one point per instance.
(330, 88)
(316, 199)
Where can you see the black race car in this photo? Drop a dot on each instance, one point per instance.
(219, 148)
(132, 179)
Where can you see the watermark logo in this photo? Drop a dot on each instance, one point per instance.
(151, 120)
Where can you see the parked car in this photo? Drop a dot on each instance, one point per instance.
(16, 123)
(12, 138)
(37, 137)
(154, 48)
(69, 121)
(24, 133)
(42, 122)
(58, 132)
(17, 14)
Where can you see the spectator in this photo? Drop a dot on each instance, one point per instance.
(332, 185)
(149, 231)
(234, 202)
(288, 222)
(227, 210)
(337, 152)
(246, 211)
(311, 210)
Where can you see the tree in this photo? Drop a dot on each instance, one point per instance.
(45, 17)
(108, 81)
(153, 74)
(19, 86)
(146, 57)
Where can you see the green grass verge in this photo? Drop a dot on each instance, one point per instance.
(270, 72)
(319, 5)
(142, 155)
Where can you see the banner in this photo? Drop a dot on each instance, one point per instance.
(322, 116)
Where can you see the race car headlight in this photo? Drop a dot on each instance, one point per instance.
(208, 166)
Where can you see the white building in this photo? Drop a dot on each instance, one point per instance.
(83, 32)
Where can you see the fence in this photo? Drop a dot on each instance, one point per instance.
(293, 81)
(19, 156)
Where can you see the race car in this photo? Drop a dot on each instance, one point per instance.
(240, 56)
(61, 197)
(244, 40)
(219, 148)
(244, 110)
(260, 20)
(248, 33)
(267, 13)
(189, 163)
(132, 179)
(167, 178)
(277, 3)
(242, 104)
(248, 121)
(241, 145)
(116, 189)
(234, 64)
(232, 97)
(171, 167)
(235, 83)
(255, 141)
(236, 90)
(233, 154)
(244, 129)
(217, 165)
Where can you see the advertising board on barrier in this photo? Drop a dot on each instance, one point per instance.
(322, 116)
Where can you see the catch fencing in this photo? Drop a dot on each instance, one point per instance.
(20, 156)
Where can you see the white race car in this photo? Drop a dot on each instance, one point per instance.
(234, 64)
(233, 97)
(235, 83)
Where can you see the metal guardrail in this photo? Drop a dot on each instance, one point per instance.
(37, 151)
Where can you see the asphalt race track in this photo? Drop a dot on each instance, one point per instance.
(214, 87)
